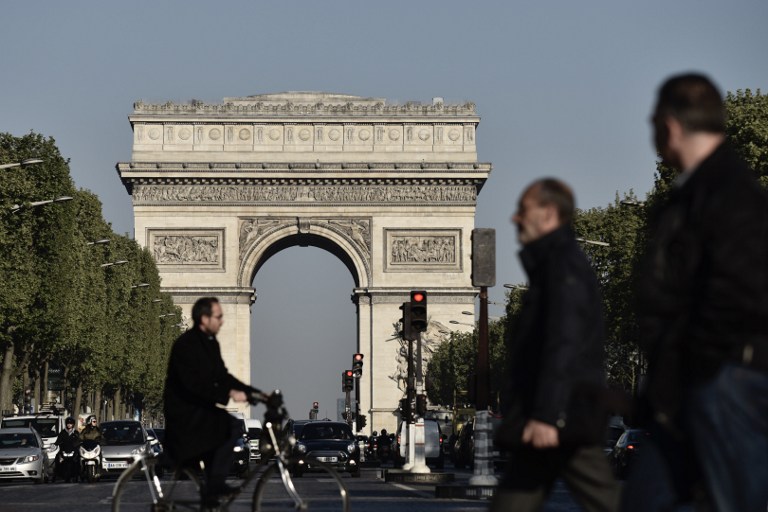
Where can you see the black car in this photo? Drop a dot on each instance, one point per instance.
(242, 456)
(626, 449)
(330, 442)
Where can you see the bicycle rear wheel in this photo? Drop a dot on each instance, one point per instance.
(322, 489)
(180, 491)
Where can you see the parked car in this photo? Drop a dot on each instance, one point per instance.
(22, 455)
(626, 449)
(615, 428)
(122, 440)
(463, 452)
(330, 442)
(432, 444)
(47, 425)
(254, 434)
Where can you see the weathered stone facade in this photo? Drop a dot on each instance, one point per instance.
(390, 189)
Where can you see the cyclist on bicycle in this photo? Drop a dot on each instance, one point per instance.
(196, 387)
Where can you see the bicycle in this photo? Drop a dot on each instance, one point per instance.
(183, 490)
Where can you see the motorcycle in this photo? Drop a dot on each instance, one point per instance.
(384, 449)
(67, 466)
(90, 461)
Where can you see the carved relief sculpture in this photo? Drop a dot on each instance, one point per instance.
(186, 250)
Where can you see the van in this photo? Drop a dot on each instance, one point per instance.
(254, 433)
(432, 436)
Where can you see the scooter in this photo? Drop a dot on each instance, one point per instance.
(90, 461)
(67, 465)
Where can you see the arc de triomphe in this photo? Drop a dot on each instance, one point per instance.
(391, 190)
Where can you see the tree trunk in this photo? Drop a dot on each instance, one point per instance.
(5, 379)
(96, 409)
(36, 390)
(78, 400)
(118, 405)
(24, 387)
(44, 380)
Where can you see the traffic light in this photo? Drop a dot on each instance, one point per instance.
(357, 365)
(360, 422)
(421, 405)
(347, 380)
(405, 409)
(418, 319)
(407, 331)
(316, 405)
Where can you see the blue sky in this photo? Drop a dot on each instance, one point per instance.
(564, 88)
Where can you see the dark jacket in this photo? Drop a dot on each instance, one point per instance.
(556, 348)
(197, 381)
(67, 441)
(703, 288)
(91, 433)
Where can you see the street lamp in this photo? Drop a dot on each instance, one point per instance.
(593, 242)
(23, 163)
(157, 300)
(168, 314)
(118, 262)
(460, 323)
(515, 286)
(34, 204)
(140, 285)
(467, 313)
(98, 242)
(632, 202)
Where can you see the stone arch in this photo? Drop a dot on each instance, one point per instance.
(317, 234)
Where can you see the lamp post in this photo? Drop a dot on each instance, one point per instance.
(103, 241)
(140, 285)
(113, 263)
(593, 242)
(521, 287)
(15, 208)
(456, 322)
(23, 163)
(632, 202)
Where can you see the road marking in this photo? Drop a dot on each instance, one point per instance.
(413, 490)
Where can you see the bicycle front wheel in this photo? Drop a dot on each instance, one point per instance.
(140, 488)
(321, 489)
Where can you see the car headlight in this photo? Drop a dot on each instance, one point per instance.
(351, 447)
(301, 448)
(31, 458)
(238, 448)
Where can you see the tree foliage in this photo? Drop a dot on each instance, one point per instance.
(58, 305)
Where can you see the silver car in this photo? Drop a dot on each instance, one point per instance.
(123, 441)
(22, 455)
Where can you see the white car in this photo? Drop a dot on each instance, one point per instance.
(22, 455)
(48, 425)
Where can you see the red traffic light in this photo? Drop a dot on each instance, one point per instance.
(358, 357)
(348, 373)
(417, 297)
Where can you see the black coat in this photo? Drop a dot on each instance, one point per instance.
(67, 441)
(197, 381)
(703, 288)
(556, 348)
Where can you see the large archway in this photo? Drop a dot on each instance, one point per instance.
(391, 190)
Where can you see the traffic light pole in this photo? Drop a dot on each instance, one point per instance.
(348, 409)
(483, 474)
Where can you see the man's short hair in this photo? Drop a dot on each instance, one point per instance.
(203, 307)
(693, 100)
(551, 191)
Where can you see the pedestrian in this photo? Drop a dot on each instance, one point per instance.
(197, 385)
(554, 425)
(703, 310)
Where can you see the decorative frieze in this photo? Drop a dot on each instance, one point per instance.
(333, 194)
(416, 250)
(185, 250)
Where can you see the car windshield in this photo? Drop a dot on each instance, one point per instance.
(46, 427)
(325, 431)
(122, 434)
(22, 440)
